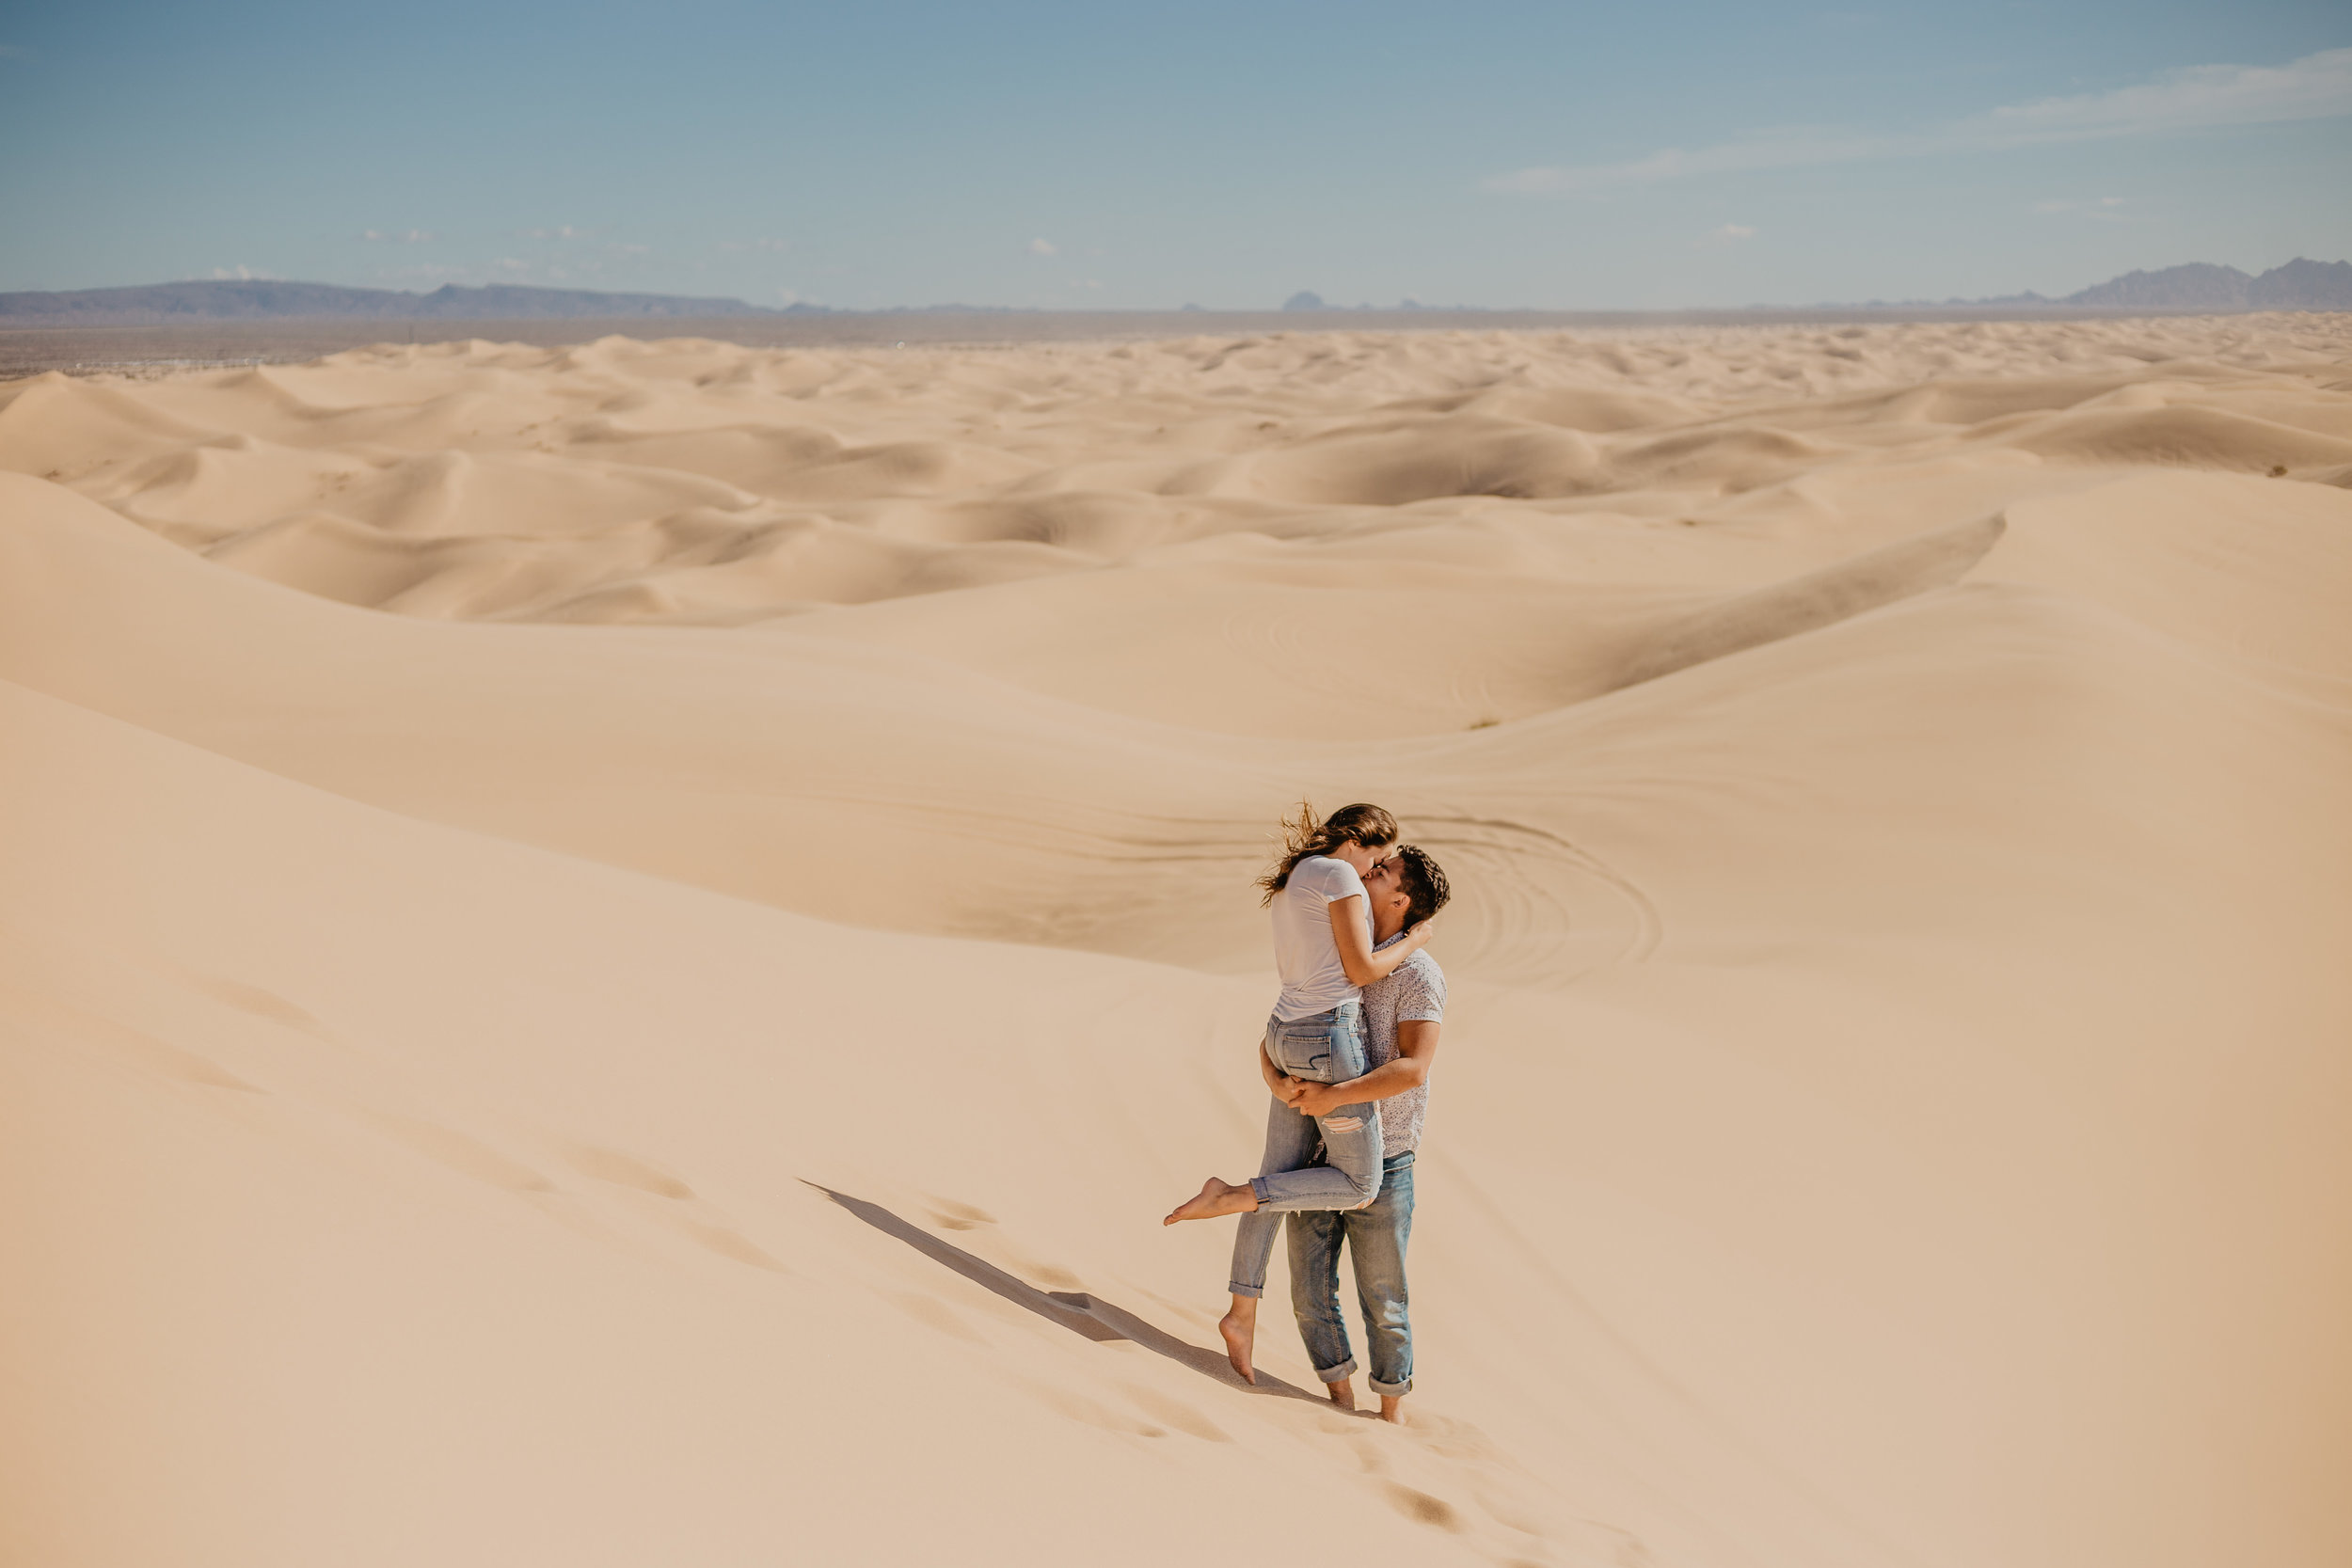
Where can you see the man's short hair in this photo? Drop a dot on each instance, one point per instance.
(1423, 882)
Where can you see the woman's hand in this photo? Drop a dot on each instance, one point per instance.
(1290, 1088)
(1417, 937)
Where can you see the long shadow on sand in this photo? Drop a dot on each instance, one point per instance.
(1075, 1311)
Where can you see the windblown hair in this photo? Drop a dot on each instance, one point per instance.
(1307, 835)
(1423, 882)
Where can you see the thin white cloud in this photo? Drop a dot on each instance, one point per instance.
(1044, 247)
(1730, 234)
(397, 236)
(561, 231)
(2317, 86)
(1780, 149)
(243, 273)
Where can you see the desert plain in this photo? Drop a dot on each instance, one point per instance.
(612, 952)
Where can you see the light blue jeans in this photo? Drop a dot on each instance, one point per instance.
(1327, 1047)
(1375, 1238)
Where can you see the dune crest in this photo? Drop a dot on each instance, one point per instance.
(694, 483)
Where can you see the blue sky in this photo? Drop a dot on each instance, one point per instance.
(1565, 155)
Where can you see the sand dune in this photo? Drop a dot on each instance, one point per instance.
(698, 482)
(612, 952)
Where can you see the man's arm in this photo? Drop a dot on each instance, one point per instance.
(1416, 1048)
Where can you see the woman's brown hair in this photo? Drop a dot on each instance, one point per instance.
(1309, 834)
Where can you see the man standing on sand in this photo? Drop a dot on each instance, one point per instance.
(1402, 1015)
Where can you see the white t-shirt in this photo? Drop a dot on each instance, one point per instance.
(1305, 955)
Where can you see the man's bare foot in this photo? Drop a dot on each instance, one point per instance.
(1239, 1330)
(1392, 1409)
(1343, 1393)
(1214, 1198)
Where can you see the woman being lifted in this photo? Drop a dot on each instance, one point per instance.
(1323, 953)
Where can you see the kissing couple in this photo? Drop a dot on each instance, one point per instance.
(1346, 1055)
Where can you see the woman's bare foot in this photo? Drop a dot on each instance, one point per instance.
(1239, 1330)
(1343, 1393)
(1392, 1409)
(1214, 1198)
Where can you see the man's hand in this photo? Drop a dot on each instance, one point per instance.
(1320, 1100)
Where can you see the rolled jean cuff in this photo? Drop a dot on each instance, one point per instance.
(1257, 1185)
(1253, 1292)
(1339, 1373)
(1393, 1390)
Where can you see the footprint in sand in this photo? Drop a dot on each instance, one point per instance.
(157, 1056)
(626, 1170)
(951, 1216)
(729, 1243)
(1422, 1508)
(255, 1001)
(185, 1066)
(446, 1146)
(1085, 1410)
(1176, 1412)
(1043, 1274)
(613, 1166)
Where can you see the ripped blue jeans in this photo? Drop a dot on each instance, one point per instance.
(1327, 1047)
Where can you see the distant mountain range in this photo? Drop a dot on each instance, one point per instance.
(2300, 285)
(2199, 287)
(1306, 299)
(258, 299)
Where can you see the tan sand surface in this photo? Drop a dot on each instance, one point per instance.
(613, 952)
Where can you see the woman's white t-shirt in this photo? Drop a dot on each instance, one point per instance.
(1305, 955)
